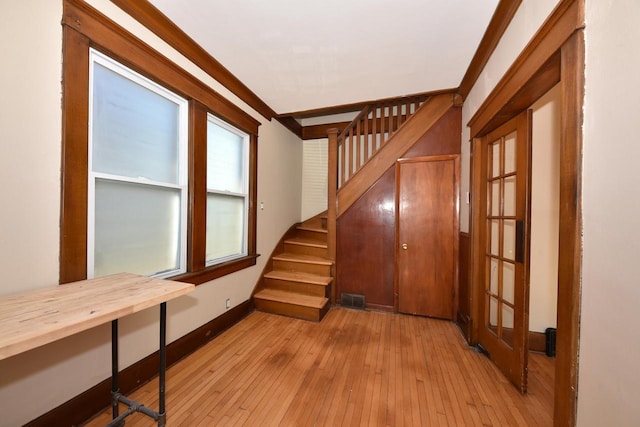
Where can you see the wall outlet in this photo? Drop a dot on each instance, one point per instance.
(227, 303)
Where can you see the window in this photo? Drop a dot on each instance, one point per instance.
(227, 158)
(159, 172)
(137, 174)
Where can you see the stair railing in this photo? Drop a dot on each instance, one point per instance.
(369, 132)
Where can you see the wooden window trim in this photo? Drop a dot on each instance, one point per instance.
(84, 28)
(149, 16)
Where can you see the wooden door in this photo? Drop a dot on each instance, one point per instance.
(505, 242)
(427, 235)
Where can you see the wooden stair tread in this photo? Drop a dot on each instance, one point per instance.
(305, 242)
(295, 276)
(312, 228)
(305, 259)
(292, 298)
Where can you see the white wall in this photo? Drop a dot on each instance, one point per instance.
(314, 177)
(545, 205)
(525, 23)
(30, 134)
(609, 377)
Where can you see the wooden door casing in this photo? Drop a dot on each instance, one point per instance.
(427, 206)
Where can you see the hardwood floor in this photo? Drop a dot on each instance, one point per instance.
(353, 368)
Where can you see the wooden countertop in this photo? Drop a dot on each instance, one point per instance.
(38, 317)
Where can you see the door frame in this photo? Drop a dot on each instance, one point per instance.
(555, 55)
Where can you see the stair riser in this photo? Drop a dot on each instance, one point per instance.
(322, 270)
(313, 235)
(305, 250)
(299, 287)
(300, 312)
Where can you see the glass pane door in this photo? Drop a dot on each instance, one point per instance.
(501, 220)
(503, 223)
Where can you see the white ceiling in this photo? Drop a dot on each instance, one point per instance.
(299, 55)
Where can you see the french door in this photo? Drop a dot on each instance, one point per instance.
(504, 234)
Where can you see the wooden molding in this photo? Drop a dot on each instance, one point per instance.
(566, 18)
(380, 307)
(293, 125)
(321, 131)
(149, 16)
(537, 341)
(82, 407)
(463, 315)
(197, 221)
(357, 106)
(570, 228)
(108, 37)
(75, 153)
(500, 20)
(545, 78)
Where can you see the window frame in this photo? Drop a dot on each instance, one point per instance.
(85, 28)
(211, 119)
(98, 58)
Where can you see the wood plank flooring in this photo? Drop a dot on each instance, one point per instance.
(354, 368)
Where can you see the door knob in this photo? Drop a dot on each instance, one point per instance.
(404, 246)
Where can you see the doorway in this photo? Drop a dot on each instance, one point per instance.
(565, 65)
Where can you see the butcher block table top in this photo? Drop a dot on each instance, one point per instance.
(32, 319)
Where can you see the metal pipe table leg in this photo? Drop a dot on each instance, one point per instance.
(115, 388)
(117, 397)
(162, 416)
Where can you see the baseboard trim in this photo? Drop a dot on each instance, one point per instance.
(379, 307)
(464, 323)
(97, 398)
(537, 342)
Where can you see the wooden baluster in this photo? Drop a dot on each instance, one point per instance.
(407, 112)
(365, 154)
(382, 116)
(391, 115)
(357, 145)
(339, 144)
(347, 162)
(332, 201)
(374, 135)
(400, 115)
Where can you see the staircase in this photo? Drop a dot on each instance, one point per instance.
(298, 284)
(299, 276)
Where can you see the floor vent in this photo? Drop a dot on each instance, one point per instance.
(352, 301)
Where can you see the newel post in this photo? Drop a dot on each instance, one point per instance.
(332, 201)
